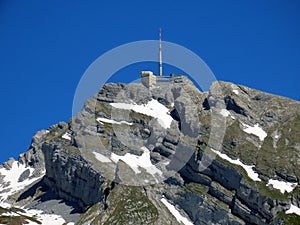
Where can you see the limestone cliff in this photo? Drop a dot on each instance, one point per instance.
(169, 154)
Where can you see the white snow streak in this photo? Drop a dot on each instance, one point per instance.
(104, 120)
(11, 178)
(282, 186)
(293, 209)
(256, 130)
(66, 136)
(9, 214)
(135, 161)
(101, 157)
(153, 108)
(175, 213)
(249, 169)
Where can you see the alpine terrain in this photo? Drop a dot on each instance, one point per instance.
(168, 154)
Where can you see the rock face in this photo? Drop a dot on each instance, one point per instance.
(171, 155)
(34, 156)
(72, 177)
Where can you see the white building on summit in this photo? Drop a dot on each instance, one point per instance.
(148, 78)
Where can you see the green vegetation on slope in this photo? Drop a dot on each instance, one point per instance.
(126, 205)
(289, 219)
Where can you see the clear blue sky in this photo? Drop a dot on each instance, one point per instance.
(45, 47)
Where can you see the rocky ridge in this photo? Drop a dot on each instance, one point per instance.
(219, 159)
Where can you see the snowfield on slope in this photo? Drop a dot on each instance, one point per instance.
(45, 219)
(11, 184)
(176, 213)
(249, 169)
(153, 108)
(135, 161)
(104, 120)
(101, 158)
(293, 209)
(256, 130)
(282, 185)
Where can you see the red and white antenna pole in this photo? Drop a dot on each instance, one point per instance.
(160, 52)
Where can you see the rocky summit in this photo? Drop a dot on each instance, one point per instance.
(168, 154)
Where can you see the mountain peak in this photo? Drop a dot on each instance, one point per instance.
(228, 156)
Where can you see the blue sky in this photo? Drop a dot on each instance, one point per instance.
(45, 47)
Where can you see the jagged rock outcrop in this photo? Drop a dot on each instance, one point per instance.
(132, 152)
(34, 157)
(72, 177)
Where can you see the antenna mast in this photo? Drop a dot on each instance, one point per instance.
(160, 52)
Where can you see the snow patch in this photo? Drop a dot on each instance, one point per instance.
(235, 92)
(224, 112)
(176, 213)
(282, 185)
(153, 108)
(10, 182)
(249, 169)
(101, 157)
(135, 161)
(66, 136)
(45, 219)
(256, 130)
(104, 120)
(9, 214)
(4, 204)
(293, 209)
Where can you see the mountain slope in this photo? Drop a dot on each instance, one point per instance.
(165, 155)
